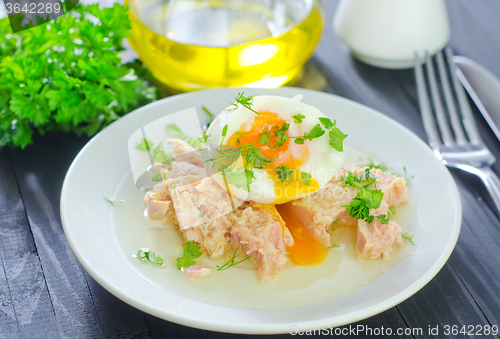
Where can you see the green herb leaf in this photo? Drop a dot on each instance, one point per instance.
(210, 114)
(410, 239)
(284, 172)
(383, 219)
(146, 255)
(365, 200)
(391, 211)
(70, 82)
(157, 177)
(352, 180)
(280, 134)
(174, 131)
(114, 202)
(191, 251)
(306, 178)
(265, 137)
(239, 133)
(298, 118)
(334, 246)
(337, 139)
(381, 167)
(145, 145)
(327, 123)
(201, 214)
(110, 201)
(245, 102)
(231, 262)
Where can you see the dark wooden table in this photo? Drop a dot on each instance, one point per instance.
(45, 292)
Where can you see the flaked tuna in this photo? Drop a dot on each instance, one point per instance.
(318, 211)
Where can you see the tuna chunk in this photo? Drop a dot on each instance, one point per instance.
(198, 271)
(185, 153)
(220, 223)
(213, 236)
(319, 210)
(260, 235)
(374, 240)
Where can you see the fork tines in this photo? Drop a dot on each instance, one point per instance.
(462, 122)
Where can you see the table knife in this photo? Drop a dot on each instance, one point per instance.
(484, 89)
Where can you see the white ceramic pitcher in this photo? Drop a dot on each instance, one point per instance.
(387, 33)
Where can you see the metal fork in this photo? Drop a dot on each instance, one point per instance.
(463, 149)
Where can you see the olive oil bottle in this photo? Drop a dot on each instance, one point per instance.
(198, 44)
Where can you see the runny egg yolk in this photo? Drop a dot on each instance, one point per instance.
(305, 250)
(293, 185)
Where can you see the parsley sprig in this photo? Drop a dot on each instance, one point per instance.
(69, 82)
(298, 118)
(146, 255)
(305, 178)
(231, 261)
(285, 174)
(191, 252)
(366, 198)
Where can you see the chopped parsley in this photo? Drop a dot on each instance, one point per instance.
(157, 178)
(298, 118)
(352, 180)
(328, 123)
(239, 177)
(244, 101)
(381, 167)
(285, 174)
(144, 145)
(201, 214)
(316, 132)
(334, 246)
(224, 132)
(146, 255)
(231, 262)
(265, 137)
(174, 131)
(280, 134)
(337, 139)
(391, 211)
(409, 238)
(191, 251)
(239, 133)
(382, 218)
(306, 178)
(365, 200)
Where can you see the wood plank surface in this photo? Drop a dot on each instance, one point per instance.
(45, 293)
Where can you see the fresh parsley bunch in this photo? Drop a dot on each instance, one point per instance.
(67, 75)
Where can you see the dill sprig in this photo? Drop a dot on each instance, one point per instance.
(244, 101)
(409, 238)
(231, 262)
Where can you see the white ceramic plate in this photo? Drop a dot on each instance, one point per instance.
(103, 237)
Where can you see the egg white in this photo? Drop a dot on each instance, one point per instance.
(324, 161)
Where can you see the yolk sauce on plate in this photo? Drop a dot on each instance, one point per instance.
(306, 250)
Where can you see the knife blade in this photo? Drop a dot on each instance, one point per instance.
(483, 88)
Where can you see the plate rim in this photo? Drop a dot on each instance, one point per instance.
(265, 328)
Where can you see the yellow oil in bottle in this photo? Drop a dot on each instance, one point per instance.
(199, 44)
